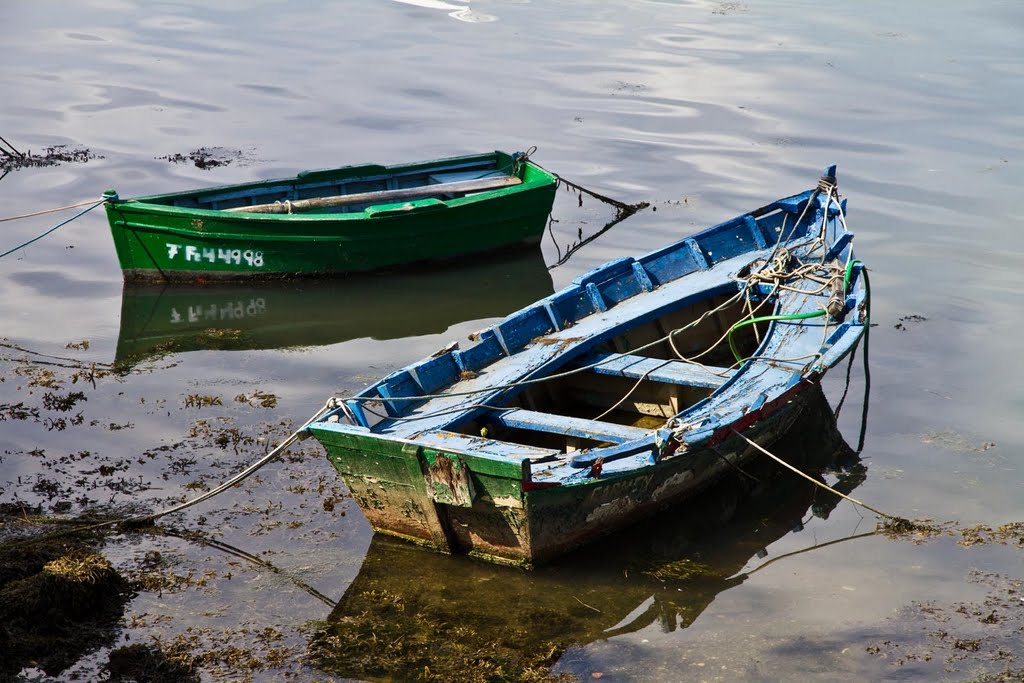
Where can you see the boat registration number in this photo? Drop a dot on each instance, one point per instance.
(194, 254)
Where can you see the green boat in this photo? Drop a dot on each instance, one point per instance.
(335, 221)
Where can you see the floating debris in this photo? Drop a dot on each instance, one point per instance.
(913, 318)
(953, 441)
(207, 157)
(51, 156)
(979, 640)
(916, 530)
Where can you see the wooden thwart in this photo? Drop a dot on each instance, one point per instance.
(657, 370)
(381, 196)
(570, 426)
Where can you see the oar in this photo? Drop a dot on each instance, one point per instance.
(419, 192)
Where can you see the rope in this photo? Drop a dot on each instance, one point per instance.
(815, 481)
(766, 318)
(241, 476)
(59, 225)
(621, 206)
(142, 520)
(867, 365)
(819, 546)
(13, 149)
(46, 211)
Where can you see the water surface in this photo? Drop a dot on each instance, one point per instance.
(704, 109)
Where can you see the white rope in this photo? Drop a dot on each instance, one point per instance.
(241, 476)
(46, 211)
(813, 480)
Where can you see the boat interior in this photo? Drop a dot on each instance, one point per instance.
(619, 390)
(610, 383)
(377, 181)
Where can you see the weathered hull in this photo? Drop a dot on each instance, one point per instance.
(617, 396)
(513, 521)
(157, 240)
(674, 567)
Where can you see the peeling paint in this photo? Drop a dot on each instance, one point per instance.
(673, 484)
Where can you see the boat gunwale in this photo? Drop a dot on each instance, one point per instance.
(156, 204)
(579, 282)
(848, 334)
(644, 443)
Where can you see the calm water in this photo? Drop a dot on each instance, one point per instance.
(705, 110)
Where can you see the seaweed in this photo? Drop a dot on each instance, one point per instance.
(59, 600)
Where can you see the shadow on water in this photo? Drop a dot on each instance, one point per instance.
(410, 611)
(158, 319)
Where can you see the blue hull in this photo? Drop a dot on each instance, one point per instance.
(612, 398)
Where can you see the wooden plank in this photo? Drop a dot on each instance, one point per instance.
(519, 418)
(592, 330)
(381, 196)
(453, 442)
(656, 369)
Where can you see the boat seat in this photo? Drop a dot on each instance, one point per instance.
(453, 442)
(656, 369)
(460, 176)
(520, 418)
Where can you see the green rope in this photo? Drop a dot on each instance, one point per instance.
(849, 270)
(764, 318)
(59, 225)
(867, 365)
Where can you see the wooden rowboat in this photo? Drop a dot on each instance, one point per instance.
(332, 222)
(621, 394)
(663, 572)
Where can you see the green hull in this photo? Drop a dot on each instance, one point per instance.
(666, 573)
(204, 235)
(491, 509)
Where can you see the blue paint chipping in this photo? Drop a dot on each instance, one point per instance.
(656, 369)
(699, 257)
(582, 388)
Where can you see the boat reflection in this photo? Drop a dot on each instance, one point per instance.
(158, 319)
(409, 608)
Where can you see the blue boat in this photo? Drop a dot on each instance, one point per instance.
(620, 395)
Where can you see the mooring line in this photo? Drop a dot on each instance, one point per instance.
(203, 539)
(59, 225)
(844, 539)
(143, 520)
(238, 478)
(13, 148)
(815, 481)
(620, 216)
(622, 206)
(46, 211)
